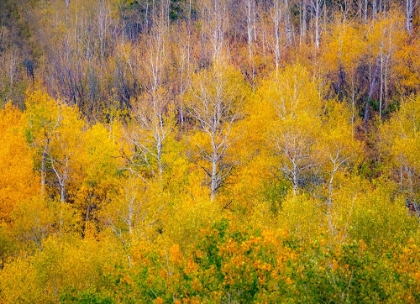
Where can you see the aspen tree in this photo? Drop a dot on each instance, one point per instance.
(215, 102)
(297, 106)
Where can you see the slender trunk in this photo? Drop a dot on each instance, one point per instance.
(217, 30)
(276, 20)
(87, 213)
(295, 179)
(214, 186)
(330, 190)
(374, 8)
(353, 105)
(401, 177)
(130, 213)
(43, 167)
(381, 86)
(324, 17)
(366, 110)
(386, 67)
(410, 179)
(330, 204)
(365, 11)
(61, 179)
(288, 24)
(317, 7)
(102, 25)
(146, 16)
(409, 8)
(62, 192)
(159, 158)
(86, 220)
(203, 41)
(372, 88)
(190, 10)
(303, 24)
(249, 11)
(130, 223)
(264, 45)
(185, 70)
(12, 69)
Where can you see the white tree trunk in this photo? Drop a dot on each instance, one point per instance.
(276, 16)
(317, 6)
(374, 8)
(303, 23)
(250, 23)
(409, 10)
(288, 23)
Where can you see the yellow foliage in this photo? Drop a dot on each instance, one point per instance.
(188, 216)
(19, 282)
(55, 131)
(303, 217)
(63, 264)
(345, 48)
(399, 144)
(17, 178)
(132, 213)
(289, 109)
(97, 165)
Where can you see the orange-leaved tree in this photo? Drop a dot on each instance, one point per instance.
(17, 178)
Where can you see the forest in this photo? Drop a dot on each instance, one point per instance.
(209, 151)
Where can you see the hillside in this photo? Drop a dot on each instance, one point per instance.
(184, 151)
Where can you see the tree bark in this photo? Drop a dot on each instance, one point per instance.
(44, 166)
(303, 23)
(372, 89)
(276, 16)
(409, 10)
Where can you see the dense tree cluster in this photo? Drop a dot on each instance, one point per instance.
(209, 151)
